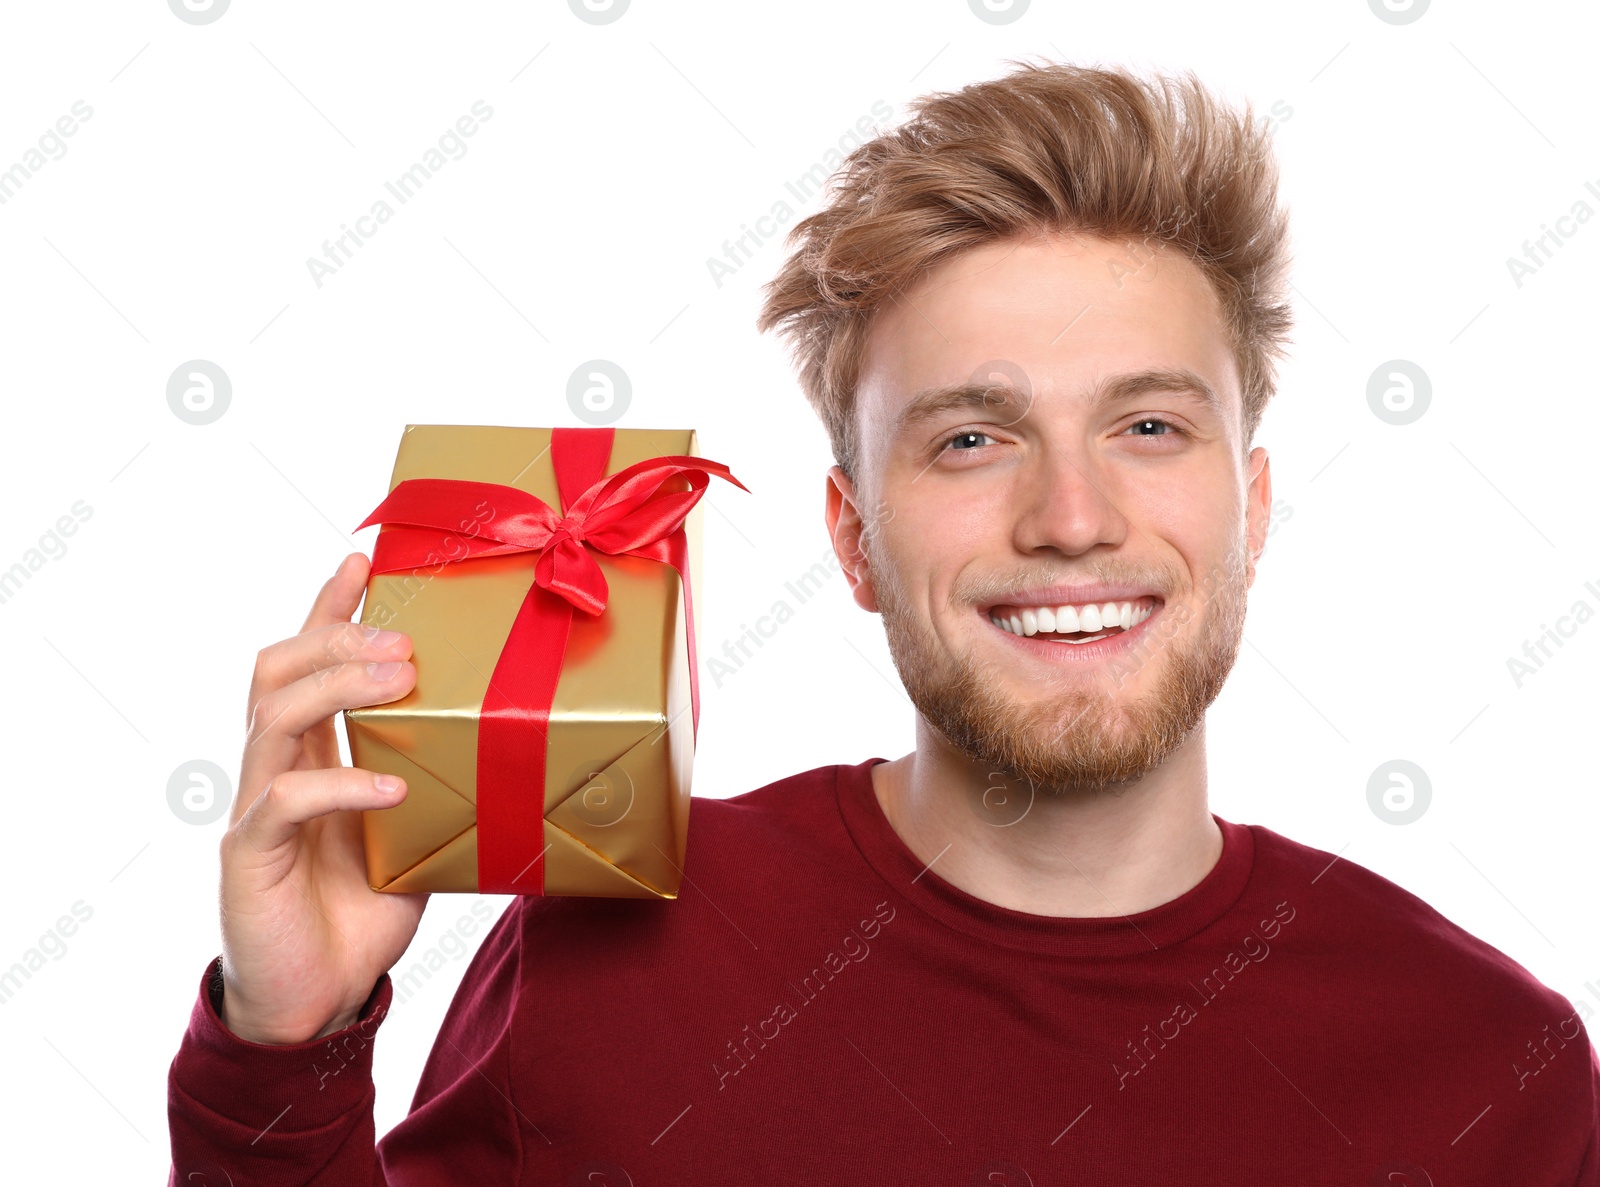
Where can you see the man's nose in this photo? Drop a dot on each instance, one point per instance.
(1066, 502)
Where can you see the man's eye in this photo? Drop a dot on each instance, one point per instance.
(965, 441)
(1153, 427)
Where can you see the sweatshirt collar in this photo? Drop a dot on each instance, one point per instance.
(1129, 935)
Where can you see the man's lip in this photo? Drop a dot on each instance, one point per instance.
(1105, 644)
(1074, 595)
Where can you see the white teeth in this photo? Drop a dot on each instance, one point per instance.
(1091, 619)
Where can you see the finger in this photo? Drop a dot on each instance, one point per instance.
(339, 596)
(325, 647)
(281, 716)
(295, 797)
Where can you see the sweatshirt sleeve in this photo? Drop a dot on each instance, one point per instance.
(297, 1115)
(1589, 1172)
(277, 1115)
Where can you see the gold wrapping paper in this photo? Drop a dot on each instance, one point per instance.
(621, 738)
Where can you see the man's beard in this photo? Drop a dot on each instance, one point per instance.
(1097, 737)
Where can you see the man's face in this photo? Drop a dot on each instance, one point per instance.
(1094, 473)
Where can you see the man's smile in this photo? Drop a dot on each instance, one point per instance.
(1080, 623)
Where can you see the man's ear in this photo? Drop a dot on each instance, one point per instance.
(1258, 510)
(844, 529)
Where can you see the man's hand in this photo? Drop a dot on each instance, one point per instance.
(304, 938)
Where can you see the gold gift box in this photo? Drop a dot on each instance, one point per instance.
(621, 735)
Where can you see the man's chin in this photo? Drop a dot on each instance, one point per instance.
(1089, 738)
(1077, 753)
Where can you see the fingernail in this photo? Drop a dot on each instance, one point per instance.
(384, 671)
(388, 784)
(380, 637)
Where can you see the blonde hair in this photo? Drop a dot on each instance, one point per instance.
(1047, 148)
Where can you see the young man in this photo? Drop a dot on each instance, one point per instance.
(1038, 321)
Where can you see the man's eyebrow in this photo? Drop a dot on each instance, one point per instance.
(934, 402)
(1159, 379)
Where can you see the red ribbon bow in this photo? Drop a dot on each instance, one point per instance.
(627, 514)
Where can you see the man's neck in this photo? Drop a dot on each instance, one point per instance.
(1092, 853)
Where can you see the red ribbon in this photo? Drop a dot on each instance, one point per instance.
(627, 514)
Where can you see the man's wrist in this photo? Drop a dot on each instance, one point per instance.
(239, 1024)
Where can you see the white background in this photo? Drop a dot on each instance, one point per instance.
(1410, 562)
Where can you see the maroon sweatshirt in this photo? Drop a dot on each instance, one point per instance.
(818, 1007)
